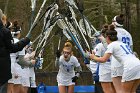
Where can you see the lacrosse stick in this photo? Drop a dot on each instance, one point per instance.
(33, 5)
(47, 26)
(36, 19)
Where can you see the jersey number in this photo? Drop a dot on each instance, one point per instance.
(126, 40)
(127, 49)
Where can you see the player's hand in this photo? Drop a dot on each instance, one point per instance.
(87, 54)
(33, 54)
(74, 79)
(86, 61)
(33, 61)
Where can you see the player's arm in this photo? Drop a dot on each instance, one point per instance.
(78, 71)
(100, 59)
(25, 63)
(77, 75)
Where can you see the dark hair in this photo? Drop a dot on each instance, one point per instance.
(112, 33)
(16, 27)
(104, 29)
(8, 24)
(120, 19)
(15, 23)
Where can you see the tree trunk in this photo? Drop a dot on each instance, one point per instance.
(138, 14)
(101, 14)
(128, 16)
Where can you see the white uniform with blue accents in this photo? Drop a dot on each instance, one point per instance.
(66, 70)
(15, 67)
(104, 68)
(124, 55)
(126, 38)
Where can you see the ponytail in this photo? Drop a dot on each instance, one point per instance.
(68, 46)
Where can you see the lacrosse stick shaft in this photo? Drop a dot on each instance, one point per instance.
(33, 5)
(43, 41)
(74, 39)
(35, 21)
(76, 23)
(59, 43)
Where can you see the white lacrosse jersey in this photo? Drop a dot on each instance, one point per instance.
(66, 69)
(14, 58)
(126, 38)
(104, 68)
(26, 72)
(27, 58)
(93, 66)
(123, 54)
(15, 55)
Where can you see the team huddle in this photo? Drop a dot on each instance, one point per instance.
(118, 66)
(117, 63)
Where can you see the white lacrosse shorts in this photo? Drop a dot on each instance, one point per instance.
(105, 77)
(25, 82)
(116, 71)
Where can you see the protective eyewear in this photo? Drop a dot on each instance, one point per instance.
(65, 52)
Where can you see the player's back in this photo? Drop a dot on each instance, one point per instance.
(124, 36)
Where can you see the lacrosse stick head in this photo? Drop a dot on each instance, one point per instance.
(60, 24)
(85, 27)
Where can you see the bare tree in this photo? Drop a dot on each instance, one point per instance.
(138, 14)
(128, 15)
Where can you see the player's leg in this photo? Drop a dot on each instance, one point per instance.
(135, 86)
(117, 84)
(107, 87)
(127, 86)
(106, 83)
(62, 89)
(17, 84)
(71, 89)
(10, 88)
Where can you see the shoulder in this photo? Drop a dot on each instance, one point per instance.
(100, 45)
(127, 33)
(6, 32)
(122, 31)
(113, 44)
(73, 59)
(111, 47)
(61, 58)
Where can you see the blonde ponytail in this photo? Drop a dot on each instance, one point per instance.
(68, 44)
